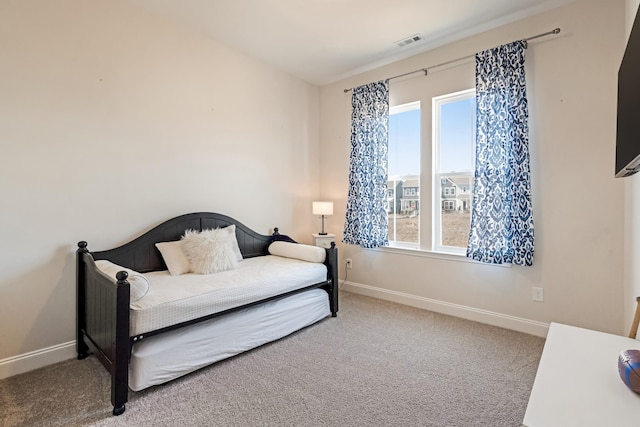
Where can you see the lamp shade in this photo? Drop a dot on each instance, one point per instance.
(323, 208)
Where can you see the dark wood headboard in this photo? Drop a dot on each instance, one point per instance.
(141, 254)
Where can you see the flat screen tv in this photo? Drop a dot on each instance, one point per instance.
(628, 133)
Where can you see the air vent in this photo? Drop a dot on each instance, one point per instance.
(411, 39)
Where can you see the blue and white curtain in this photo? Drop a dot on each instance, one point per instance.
(366, 219)
(502, 216)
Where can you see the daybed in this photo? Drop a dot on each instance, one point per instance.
(182, 322)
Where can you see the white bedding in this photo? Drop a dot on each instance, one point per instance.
(174, 299)
(161, 358)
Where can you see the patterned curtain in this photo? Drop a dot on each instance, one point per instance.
(502, 217)
(366, 219)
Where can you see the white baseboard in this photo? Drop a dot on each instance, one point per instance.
(37, 359)
(519, 324)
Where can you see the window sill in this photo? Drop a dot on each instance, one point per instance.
(423, 253)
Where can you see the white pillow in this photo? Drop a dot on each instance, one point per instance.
(298, 251)
(231, 229)
(139, 285)
(175, 258)
(210, 251)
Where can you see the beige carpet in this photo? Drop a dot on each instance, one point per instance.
(376, 364)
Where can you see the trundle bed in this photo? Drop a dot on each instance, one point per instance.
(149, 323)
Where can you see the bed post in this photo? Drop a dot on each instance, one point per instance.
(81, 347)
(120, 373)
(332, 267)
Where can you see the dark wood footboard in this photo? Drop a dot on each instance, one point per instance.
(103, 303)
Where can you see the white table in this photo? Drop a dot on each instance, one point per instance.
(577, 383)
(323, 240)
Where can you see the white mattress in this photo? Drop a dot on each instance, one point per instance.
(161, 358)
(175, 299)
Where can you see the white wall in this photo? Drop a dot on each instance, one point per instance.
(632, 214)
(577, 202)
(113, 120)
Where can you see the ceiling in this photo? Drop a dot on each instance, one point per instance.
(322, 41)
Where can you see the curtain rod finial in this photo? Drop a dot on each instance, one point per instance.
(556, 31)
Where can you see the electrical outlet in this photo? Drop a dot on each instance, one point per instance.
(537, 294)
(349, 263)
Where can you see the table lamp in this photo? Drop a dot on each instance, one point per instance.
(323, 209)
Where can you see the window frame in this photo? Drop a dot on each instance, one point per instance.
(438, 193)
(409, 106)
(430, 222)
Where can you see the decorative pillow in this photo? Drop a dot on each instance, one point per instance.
(139, 285)
(175, 258)
(231, 229)
(298, 251)
(210, 251)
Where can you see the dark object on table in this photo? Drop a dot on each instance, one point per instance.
(629, 368)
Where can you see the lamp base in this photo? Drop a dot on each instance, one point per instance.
(322, 233)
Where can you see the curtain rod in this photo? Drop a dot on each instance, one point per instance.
(426, 70)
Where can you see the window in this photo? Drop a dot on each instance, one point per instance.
(449, 150)
(404, 174)
(453, 164)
